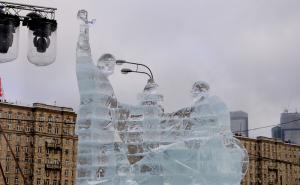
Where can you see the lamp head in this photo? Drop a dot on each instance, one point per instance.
(120, 62)
(126, 70)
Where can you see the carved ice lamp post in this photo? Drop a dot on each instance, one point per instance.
(126, 70)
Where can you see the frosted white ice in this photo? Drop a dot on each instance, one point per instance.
(141, 145)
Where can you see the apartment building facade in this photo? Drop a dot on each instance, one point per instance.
(43, 142)
(272, 162)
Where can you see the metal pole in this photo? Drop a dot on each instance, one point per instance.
(3, 175)
(17, 163)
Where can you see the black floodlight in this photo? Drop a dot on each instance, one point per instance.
(9, 36)
(42, 32)
(42, 39)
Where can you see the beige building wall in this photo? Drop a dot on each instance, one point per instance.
(43, 140)
(272, 162)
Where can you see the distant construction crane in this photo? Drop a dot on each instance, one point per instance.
(1, 91)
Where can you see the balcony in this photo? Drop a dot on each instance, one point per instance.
(54, 146)
(51, 166)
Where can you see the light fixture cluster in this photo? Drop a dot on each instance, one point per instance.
(41, 32)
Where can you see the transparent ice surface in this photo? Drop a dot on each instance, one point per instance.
(140, 144)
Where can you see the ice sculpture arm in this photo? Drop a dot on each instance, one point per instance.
(83, 46)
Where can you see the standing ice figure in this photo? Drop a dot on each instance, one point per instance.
(96, 163)
(149, 171)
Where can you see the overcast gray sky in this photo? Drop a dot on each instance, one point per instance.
(248, 51)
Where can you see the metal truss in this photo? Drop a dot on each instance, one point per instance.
(21, 10)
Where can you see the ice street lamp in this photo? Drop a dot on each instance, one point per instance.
(41, 25)
(126, 70)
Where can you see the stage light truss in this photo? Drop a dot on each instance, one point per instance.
(21, 10)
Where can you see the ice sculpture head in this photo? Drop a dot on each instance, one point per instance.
(106, 64)
(200, 90)
(150, 87)
(82, 15)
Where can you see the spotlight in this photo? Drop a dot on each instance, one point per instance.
(9, 36)
(42, 39)
(42, 28)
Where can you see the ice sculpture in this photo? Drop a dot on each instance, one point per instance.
(123, 144)
(96, 162)
(196, 146)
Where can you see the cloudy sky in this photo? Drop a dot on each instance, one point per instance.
(248, 51)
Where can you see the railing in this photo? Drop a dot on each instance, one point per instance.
(51, 166)
(55, 146)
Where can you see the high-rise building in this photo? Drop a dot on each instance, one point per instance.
(289, 128)
(276, 132)
(271, 162)
(42, 142)
(239, 123)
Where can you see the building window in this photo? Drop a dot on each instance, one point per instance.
(49, 130)
(26, 149)
(56, 161)
(47, 173)
(67, 163)
(9, 115)
(56, 130)
(66, 182)
(38, 181)
(50, 119)
(39, 149)
(7, 180)
(40, 128)
(54, 182)
(9, 137)
(48, 151)
(6, 168)
(47, 182)
(42, 118)
(16, 180)
(66, 173)
(19, 128)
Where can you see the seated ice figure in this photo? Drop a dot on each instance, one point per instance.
(200, 149)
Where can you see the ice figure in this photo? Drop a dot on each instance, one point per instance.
(123, 144)
(96, 156)
(196, 146)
